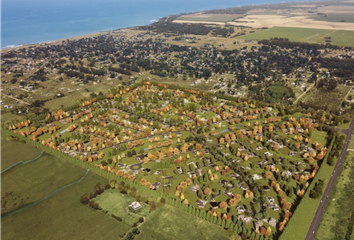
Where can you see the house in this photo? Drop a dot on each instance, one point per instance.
(256, 177)
(250, 155)
(270, 199)
(199, 171)
(258, 148)
(235, 175)
(275, 207)
(241, 149)
(179, 170)
(195, 188)
(214, 204)
(266, 188)
(155, 185)
(268, 154)
(201, 203)
(224, 182)
(241, 209)
(272, 222)
(286, 174)
(244, 187)
(292, 153)
(135, 206)
(230, 194)
(258, 224)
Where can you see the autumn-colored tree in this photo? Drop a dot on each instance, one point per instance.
(268, 174)
(223, 205)
(207, 191)
(268, 232)
(143, 182)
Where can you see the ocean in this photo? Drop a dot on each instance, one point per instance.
(35, 21)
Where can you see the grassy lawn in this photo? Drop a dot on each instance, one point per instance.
(30, 182)
(338, 37)
(344, 126)
(63, 217)
(116, 203)
(12, 152)
(172, 223)
(334, 222)
(319, 137)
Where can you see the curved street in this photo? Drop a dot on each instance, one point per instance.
(318, 215)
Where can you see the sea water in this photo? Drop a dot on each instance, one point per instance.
(35, 21)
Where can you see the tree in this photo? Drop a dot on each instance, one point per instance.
(84, 199)
(268, 232)
(223, 205)
(207, 191)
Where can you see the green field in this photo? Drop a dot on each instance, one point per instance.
(330, 101)
(334, 222)
(32, 181)
(116, 203)
(63, 217)
(13, 152)
(336, 17)
(319, 137)
(338, 37)
(172, 223)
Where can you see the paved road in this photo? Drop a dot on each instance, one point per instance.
(316, 220)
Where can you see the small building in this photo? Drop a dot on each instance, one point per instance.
(201, 203)
(272, 222)
(241, 209)
(155, 185)
(214, 204)
(234, 175)
(256, 177)
(135, 206)
(195, 188)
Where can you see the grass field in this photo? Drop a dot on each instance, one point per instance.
(338, 37)
(63, 217)
(32, 181)
(336, 17)
(334, 222)
(319, 137)
(116, 203)
(172, 223)
(326, 100)
(12, 152)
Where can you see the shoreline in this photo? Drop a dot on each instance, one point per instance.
(151, 21)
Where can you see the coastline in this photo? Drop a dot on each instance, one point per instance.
(151, 21)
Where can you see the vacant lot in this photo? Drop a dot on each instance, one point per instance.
(326, 100)
(63, 217)
(13, 152)
(172, 223)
